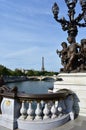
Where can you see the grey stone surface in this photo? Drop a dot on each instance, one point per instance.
(3, 128)
(77, 124)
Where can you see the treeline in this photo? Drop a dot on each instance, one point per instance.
(39, 73)
(17, 72)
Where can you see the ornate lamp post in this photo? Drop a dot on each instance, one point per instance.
(71, 25)
(73, 56)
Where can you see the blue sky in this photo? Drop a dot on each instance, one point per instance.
(28, 31)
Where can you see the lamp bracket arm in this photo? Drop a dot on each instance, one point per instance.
(62, 21)
(81, 24)
(79, 17)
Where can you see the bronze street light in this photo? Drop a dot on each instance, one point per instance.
(71, 25)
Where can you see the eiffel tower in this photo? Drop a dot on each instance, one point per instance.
(42, 69)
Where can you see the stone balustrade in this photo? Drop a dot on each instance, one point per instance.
(41, 106)
(41, 111)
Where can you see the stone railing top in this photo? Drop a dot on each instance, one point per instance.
(13, 93)
(46, 97)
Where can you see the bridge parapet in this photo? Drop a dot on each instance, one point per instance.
(40, 111)
(40, 78)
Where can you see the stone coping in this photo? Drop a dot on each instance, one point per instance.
(71, 79)
(71, 74)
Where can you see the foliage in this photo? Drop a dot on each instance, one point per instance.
(17, 72)
(5, 71)
(39, 73)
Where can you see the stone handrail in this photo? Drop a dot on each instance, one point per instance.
(24, 96)
(45, 97)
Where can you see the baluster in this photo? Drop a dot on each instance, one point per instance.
(53, 111)
(38, 112)
(30, 112)
(56, 104)
(46, 112)
(71, 115)
(23, 111)
(59, 111)
(42, 104)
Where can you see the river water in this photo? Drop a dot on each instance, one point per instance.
(32, 87)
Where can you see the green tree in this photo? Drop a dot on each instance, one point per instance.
(30, 73)
(4, 71)
(18, 72)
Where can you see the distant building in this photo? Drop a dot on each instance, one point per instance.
(42, 69)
